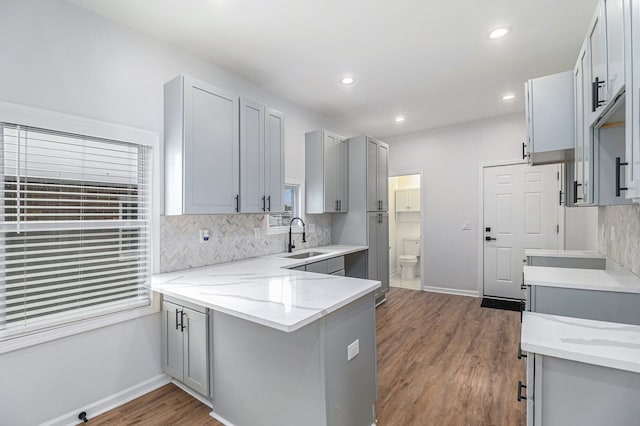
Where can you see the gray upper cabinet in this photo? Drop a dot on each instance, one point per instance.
(614, 13)
(377, 175)
(632, 113)
(201, 148)
(596, 43)
(261, 158)
(549, 106)
(326, 172)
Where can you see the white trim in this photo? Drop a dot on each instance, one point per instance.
(454, 291)
(79, 327)
(193, 393)
(35, 117)
(221, 419)
(103, 405)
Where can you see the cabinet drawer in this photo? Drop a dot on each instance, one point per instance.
(335, 264)
(319, 267)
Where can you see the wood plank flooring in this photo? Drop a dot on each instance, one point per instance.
(442, 360)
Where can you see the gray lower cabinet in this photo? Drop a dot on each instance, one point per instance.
(184, 344)
(330, 266)
(565, 392)
(611, 306)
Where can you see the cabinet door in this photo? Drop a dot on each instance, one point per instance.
(274, 161)
(330, 141)
(252, 156)
(633, 98)
(372, 242)
(614, 10)
(383, 175)
(596, 40)
(414, 200)
(196, 367)
(172, 351)
(402, 200)
(383, 251)
(579, 127)
(373, 201)
(341, 162)
(211, 163)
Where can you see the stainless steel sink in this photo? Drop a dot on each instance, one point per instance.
(304, 255)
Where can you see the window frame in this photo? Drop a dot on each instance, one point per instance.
(297, 226)
(35, 117)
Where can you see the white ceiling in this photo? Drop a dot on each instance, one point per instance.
(428, 60)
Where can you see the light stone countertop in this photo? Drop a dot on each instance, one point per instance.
(601, 343)
(264, 291)
(584, 279)
(588, 254)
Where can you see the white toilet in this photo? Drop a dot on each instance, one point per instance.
(409, 260)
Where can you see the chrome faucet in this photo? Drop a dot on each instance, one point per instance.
(304, 240)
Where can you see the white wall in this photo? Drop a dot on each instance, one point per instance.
(450, 159)
(60, 57)
(581, 228)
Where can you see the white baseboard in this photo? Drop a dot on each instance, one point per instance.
(455, 291)
(193, 393)
(109, 403)
(220, 419)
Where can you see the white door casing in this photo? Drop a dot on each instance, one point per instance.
(520, 209)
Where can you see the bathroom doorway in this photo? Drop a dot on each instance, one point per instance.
(405, 233)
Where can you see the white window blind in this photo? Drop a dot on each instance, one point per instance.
(75, 228)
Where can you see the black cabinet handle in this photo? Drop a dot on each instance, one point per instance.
(263, 204)
(237, 202)
(269, 203)
(560, 198)
(520, 354)
(490, 238)
(336, 205)
(523, 286)
(618, 178)
(575, 191)
(524, 147)
(177, 325)
(595, 93)
(182, 327)
(520, 387)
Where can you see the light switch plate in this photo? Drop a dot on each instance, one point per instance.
(353, 350)
(466, 225)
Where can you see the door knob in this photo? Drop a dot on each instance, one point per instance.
(489, 238)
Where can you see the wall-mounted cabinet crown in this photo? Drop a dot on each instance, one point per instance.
(549, 116)
(222, 155)
(326, 172)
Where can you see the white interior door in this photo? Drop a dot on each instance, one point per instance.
(520, 212)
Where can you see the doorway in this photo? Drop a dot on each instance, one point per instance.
(520, 211)
(405, 231)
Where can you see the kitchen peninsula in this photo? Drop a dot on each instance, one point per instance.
(277, 345)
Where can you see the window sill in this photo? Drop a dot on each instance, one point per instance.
(45, 336)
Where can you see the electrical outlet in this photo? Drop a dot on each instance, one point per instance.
(353, 349)
(204, 236)
(256, 233)
(612, 234)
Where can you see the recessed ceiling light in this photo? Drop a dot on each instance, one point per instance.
(399, 119)
(499, 33)
(509, 97)
(347, 80)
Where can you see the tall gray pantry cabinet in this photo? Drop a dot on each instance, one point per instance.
(367, 222)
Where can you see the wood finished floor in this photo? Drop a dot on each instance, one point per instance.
(442, 360)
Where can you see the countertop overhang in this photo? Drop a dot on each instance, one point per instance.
(266, 291)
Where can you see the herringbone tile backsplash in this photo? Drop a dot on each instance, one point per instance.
(624, 246)
(231, 238)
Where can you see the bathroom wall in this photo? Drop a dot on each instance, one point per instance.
(231, 238)
(619, 235)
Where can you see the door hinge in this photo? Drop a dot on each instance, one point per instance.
(558, 175)
(557, 229)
